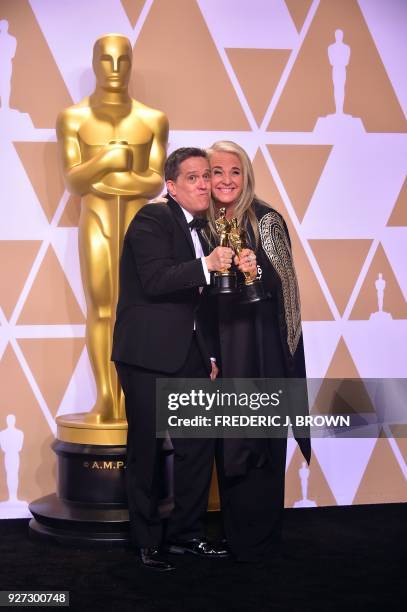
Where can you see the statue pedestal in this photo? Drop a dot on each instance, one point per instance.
(90, 505)
(380, 315)
(305, 503)
(14, 508)
(339, 125)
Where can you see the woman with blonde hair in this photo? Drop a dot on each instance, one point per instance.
(258, 340)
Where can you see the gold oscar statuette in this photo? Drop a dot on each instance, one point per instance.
(225, 281)
(252, 290)
(112, 151)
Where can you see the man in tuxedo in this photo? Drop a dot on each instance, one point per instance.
(160, 332)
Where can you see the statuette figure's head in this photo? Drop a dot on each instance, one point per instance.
(112, 56)
(338, 35)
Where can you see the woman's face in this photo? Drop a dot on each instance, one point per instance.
(226, 178)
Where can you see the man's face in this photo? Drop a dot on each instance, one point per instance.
(193, 185)
(112, 63)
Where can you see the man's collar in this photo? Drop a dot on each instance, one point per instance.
(187, 214)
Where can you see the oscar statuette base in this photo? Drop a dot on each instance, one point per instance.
(252, 292)
(78, 525)
(89, 507)
(224, 283)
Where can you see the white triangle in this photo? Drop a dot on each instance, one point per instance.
(4, 337)
(320, 341)
(343, 462)
(65, 243)
(383, 19)
(291, 447)
(71, 32)
(19, 200)
(357, 190)
(394, 241)
(379, 349)
(80, 394)
(258, 24)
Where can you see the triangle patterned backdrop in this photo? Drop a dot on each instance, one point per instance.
(256, 72)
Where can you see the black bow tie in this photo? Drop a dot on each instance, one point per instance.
(197, 223)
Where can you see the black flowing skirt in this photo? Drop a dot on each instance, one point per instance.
(251, 471)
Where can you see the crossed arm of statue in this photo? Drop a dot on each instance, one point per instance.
(114, 168)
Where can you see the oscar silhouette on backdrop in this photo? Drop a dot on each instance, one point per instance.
(339, 57)
(8, 45)
(304, 473)
(11, 443)
(113, 149)
(380, 314)
(9, 118)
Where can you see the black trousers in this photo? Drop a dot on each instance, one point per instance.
(253, 503)
(192, 467)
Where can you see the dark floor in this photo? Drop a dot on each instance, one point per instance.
(349, 558)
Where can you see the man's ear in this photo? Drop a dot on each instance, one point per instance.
(171, 188)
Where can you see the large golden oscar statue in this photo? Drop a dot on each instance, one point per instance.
(112, 150)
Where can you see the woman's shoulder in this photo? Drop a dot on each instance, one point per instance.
(262, 208)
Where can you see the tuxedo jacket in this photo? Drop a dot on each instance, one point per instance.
(159, 299)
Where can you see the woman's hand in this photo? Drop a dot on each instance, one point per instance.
(246, 262)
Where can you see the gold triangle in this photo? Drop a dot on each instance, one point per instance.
(186, 51)
(300, 168)
(40, 161)
(51, 300)
(383, 480)
(318, 489)
(37, 460)
(342, 364)
(72, 212)
(314, 306)
(367, 300)
(258, 72)
(342, 397)
(298, 10)
(37, 87)
(133, 9)
(342, 391)
(398, 217)
(340, 261)
(42, 355)
(310, 80)
(12, 277)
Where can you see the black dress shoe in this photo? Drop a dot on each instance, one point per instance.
(199, 547)
(152, 559)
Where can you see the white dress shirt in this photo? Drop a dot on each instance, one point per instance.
(198, 252)
(197, 246)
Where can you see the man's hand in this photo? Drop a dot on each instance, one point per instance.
(246, 262)
(215, 370)
(220, 259)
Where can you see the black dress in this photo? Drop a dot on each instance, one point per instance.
(261, 340)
